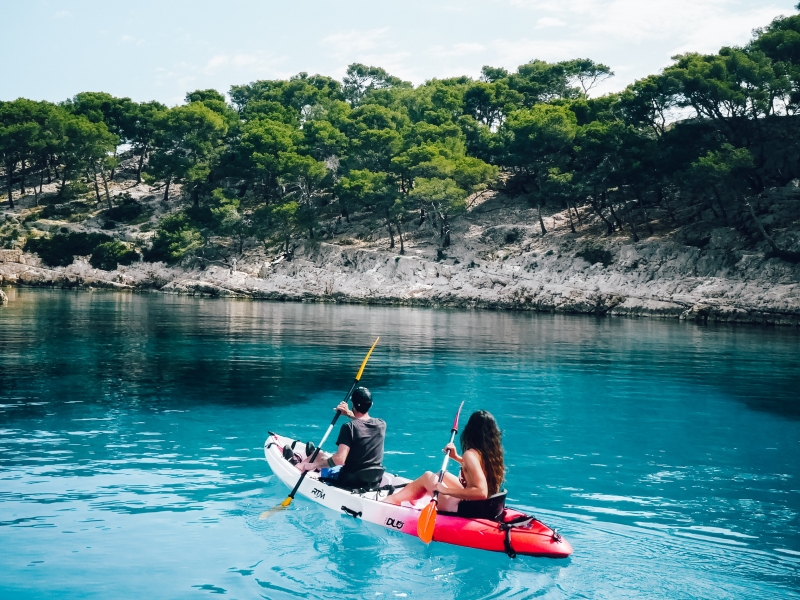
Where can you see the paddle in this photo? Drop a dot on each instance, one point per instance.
(313, 457)
(427, 519)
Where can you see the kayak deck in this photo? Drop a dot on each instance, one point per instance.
(528, 537)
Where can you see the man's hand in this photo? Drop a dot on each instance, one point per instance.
(342, 408)
(307, 466)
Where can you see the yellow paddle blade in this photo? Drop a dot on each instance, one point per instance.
(427, 522)
(366, 358)
(268, 513)
(287, 502)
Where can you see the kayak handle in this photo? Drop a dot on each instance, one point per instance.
(351, 512)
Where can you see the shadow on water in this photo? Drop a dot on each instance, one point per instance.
(122, 349)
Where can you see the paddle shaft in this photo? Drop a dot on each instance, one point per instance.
(324, 437)
(444, 465)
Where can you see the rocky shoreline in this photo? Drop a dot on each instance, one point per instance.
(648, 279)
(499, 259)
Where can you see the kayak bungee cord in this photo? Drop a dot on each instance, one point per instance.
(313, 457)
(427, 520)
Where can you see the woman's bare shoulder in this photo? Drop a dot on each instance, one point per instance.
(472, 455)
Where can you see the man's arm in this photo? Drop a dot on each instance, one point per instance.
(324, 459)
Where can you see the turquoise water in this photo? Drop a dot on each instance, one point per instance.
(131, 461)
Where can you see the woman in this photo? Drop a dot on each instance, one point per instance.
(482, 469)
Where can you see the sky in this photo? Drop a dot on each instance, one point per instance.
(159, 50)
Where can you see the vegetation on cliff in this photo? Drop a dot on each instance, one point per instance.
(286, 160)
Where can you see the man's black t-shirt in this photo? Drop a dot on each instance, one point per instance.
(365, 438)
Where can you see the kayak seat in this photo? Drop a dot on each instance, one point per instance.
(492, 508)
(366, 479)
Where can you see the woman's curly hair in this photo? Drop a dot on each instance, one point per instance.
(482, 434)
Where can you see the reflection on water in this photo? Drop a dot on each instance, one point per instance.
(131, 431)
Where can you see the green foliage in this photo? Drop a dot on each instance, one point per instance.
(63, 211)
(186, 140)
(176, 238)
(61, 250)
(108, 255)
(126, 210)
(287, 157)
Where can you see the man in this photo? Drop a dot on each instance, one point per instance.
(359, 445)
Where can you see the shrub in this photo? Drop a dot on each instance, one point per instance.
(61, 250)
(128, 210)
(110, 254)
(57, 211)
(74, 189)
(175, 238)
(595, 255)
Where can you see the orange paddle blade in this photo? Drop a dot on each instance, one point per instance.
(427, 522)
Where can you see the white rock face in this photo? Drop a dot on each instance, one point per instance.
(499, 259)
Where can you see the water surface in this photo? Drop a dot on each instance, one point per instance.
(131, 461)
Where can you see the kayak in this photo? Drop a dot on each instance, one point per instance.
(514, 532)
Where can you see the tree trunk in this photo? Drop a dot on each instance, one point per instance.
(571, 224)
(633, 227)
(617, 220)
(115, 165)
(22, 183)
(446, 230)
(10, 183)
(787, 255)
(105, 186)
(63, 182)
(640, 202)
(711, 206)
(577, 214)
(599, 212)
(96, 187)
(141, 164)
(41, 183)
(391, 234)
(421, 216)
(400, 235)
(662, 201)
(541, 221)
(721, 206)
(166, 189)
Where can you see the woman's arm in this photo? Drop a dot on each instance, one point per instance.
(477, 488)
(451, 448)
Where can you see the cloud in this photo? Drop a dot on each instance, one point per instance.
(354, 41)
(550, 22)
(462, 49)
(226, 62)
(215, 62)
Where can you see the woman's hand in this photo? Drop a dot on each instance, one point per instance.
(451, 450)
